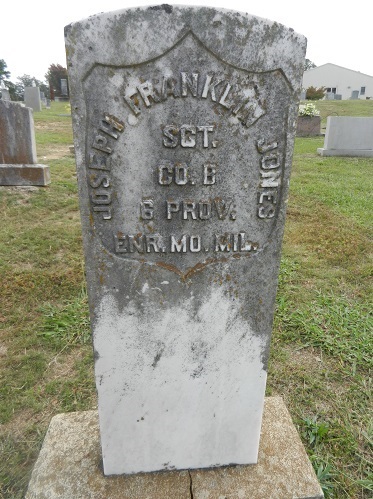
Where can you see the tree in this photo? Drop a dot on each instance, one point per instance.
(4, 74)
(16, 91)
(313, 93)
(55, 74)
(28, 81)
(309, 65)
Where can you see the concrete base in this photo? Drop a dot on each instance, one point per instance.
(24, 175)
(69, 467)
(348, 153)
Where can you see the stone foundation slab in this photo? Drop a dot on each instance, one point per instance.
(37, 174)
(69, 467)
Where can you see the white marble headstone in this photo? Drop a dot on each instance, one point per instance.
(184, 122)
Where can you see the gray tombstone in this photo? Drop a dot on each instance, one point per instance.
(18, 161)
(349, 136)
(32, 97)
(4, 92)
(43, 98)
(64, 90)
(184, 121)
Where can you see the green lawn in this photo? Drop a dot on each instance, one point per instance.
(321, 356)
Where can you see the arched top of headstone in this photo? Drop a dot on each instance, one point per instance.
(259, 44)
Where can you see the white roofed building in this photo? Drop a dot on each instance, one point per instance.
(339, 81)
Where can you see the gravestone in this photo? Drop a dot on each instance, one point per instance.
(64, 91)
(308, 126)
(183, 146)
(4, 92)
(348, 136)
(18, 160)
(32, 98)
(43, 98)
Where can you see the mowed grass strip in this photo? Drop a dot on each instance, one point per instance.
(46, 364)
(321, 350)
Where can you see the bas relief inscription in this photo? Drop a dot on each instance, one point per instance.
(186, 162)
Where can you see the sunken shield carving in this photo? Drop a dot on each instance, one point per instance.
(185, 160)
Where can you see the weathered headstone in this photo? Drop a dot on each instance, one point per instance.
(32, 98)
(43, 98)
(348, 136)
(64, 91)
(184, 122)
(4, 92)
(18, 160)
(308, 126)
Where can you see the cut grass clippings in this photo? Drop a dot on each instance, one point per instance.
(321, 353)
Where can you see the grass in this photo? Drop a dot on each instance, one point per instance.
(321, 355)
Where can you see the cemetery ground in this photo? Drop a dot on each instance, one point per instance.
(321, 353)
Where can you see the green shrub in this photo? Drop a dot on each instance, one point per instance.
(313, 93)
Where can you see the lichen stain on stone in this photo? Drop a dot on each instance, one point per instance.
(157, 358)
(166, 7)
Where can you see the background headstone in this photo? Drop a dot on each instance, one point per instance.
(43, 99)
(32, 98)
(18, 160)
(4, 92)
(308, 126)
(17, 137)
(64, 91)
(183, 146)
(348, 136)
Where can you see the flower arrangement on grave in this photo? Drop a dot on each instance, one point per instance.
(309, 110)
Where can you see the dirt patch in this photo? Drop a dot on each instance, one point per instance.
(62, 365)
(3, 348)
(53, 126)
(55, 152)
(24, 190)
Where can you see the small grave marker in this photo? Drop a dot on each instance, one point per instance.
(4, 92)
